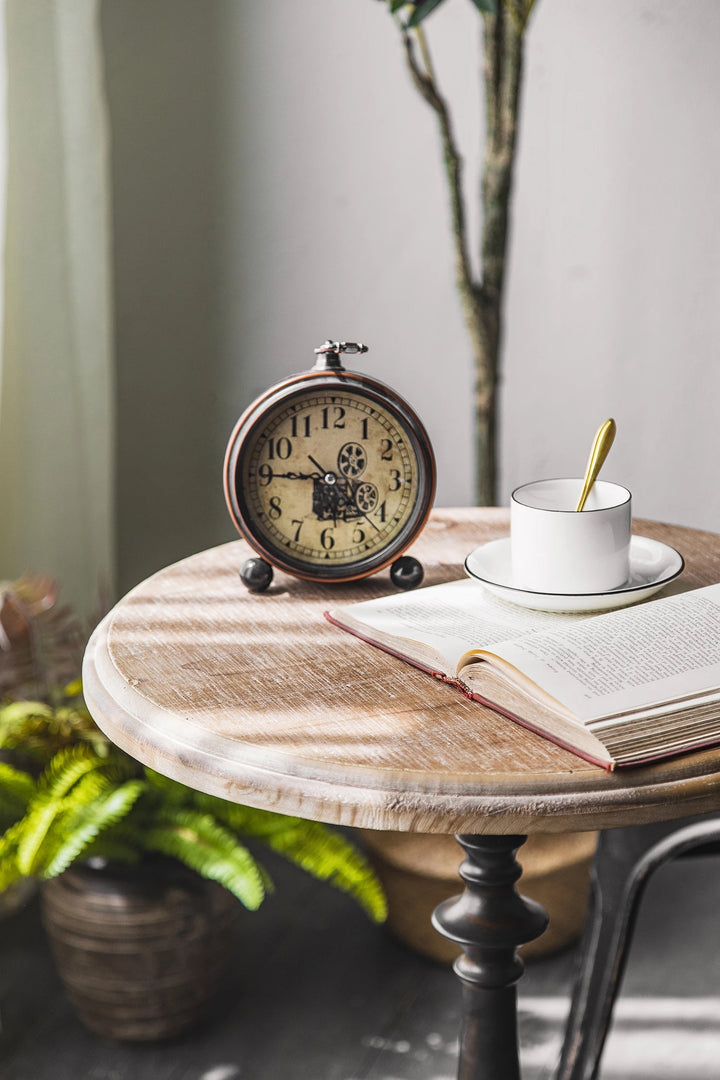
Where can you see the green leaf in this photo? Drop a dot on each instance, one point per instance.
(66, 768)
(396, 5)
(315, 848)
(89, 821)
(16, 790)
(424, 8)
(41, 731)
(245, 820)
(10, 872)
(22, 720)
(16, 712)
(170, 792)
(327, 855)
(71, 767)
(211, 851)
(488, 7)
(72, 689)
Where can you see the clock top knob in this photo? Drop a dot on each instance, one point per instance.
(328, 355)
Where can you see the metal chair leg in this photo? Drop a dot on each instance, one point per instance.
(624, 861)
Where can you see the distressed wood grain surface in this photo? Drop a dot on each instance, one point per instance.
(258, 699)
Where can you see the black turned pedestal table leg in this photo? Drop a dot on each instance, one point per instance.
(489, 921)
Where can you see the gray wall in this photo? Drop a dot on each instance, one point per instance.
(613, 302)
(277, 182)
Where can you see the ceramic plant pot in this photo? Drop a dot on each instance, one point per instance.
(140, 950)
(418, 871)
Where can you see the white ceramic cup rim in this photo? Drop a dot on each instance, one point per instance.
(599, 484)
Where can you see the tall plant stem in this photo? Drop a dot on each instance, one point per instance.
(481, 297)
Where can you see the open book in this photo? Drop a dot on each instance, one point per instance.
(621, 688)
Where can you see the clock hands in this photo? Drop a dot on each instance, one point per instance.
(297, 476)
(329, 478)
(371, 523)
(326, 475)
(338, 496)
(323, 474)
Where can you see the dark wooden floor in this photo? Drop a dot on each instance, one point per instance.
(316, 992)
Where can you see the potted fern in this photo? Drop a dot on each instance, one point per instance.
(141, 875)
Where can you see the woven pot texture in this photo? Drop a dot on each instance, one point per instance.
(140, 950)
(418, 871)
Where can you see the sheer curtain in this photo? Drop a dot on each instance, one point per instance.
(56, 384)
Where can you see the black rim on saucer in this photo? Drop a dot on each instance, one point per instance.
(621, 590)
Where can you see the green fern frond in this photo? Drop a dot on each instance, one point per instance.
(22, 721)
(208, 848)
(87, 821)
(16, 790)
(15, 713)
(93, 800)
(122, 841)
(37, 825)
(245, 820)
(58, 814)
(327, 855)
(88, 788)
(315, 848)
(41, 730)
(66, 768)
(172, 792)
(9, 870)
(65, 771)
(73, 689)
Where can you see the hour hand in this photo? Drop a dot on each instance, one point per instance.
(296, 476)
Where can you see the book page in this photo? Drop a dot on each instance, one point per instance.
(627, 660)
(453, 619)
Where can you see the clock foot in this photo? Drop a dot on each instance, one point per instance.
(406, 572)
(256, 574)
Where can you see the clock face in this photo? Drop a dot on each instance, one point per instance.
(331, 479)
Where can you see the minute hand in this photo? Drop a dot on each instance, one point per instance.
(323, 472)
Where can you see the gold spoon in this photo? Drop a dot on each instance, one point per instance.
(600, 448)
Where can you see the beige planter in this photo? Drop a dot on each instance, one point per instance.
(418, 871)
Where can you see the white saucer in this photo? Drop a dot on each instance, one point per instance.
(652, 565)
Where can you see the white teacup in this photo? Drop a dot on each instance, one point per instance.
(556, 549)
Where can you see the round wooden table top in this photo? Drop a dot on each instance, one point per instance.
(258, 699)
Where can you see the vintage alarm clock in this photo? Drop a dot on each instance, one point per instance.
(329, 475)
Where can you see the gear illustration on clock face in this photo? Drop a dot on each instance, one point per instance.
(341, 497)
(352, 460)
(366, 497)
